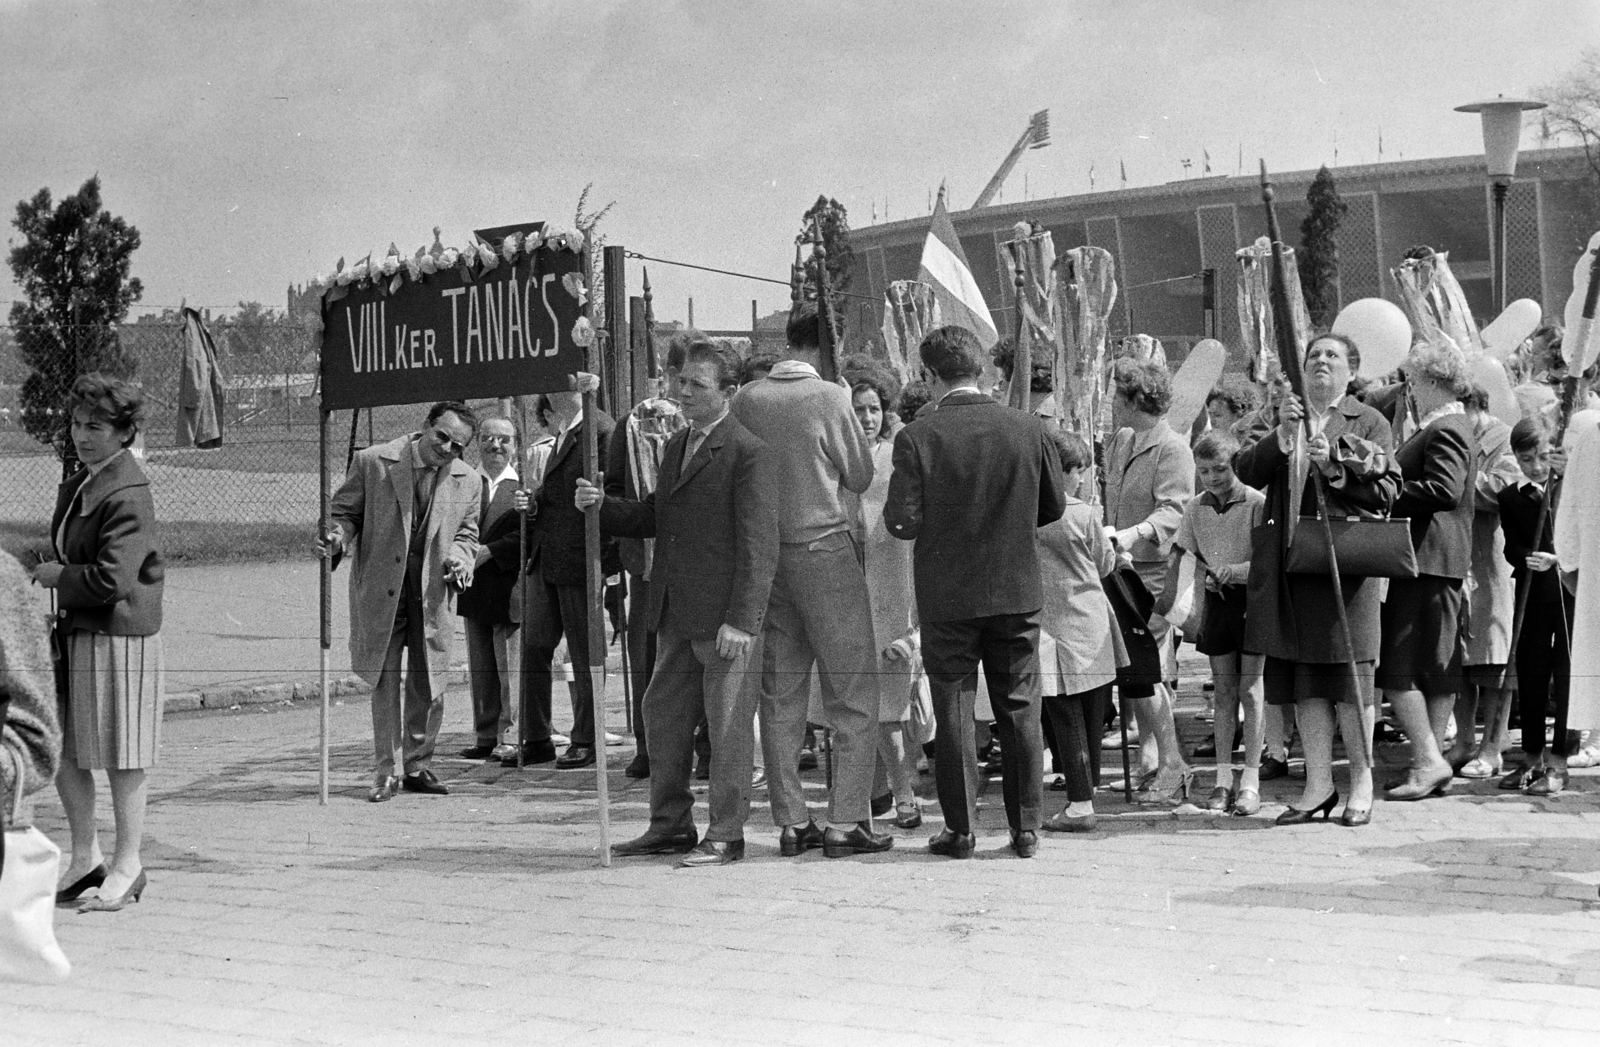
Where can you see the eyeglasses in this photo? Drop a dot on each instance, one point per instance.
(496, 438)
(445, 440)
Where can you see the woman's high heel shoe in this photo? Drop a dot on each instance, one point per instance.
(1294, 816)
(1356, 817)
(134, 892)
(1173, 796)
(91, 879)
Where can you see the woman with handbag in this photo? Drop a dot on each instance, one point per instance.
(1334, 440)
(1419, 668)
(30, 748)
(108, 580)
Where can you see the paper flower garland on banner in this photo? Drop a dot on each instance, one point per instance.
(583, 332)
(390, 271)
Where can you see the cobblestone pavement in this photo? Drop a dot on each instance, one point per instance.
(483, 915)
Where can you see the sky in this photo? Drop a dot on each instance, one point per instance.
(255, 143)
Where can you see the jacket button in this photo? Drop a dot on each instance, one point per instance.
(397, 559)
(61, 614)
(391, 592)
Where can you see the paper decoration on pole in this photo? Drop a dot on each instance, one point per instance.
(1255, 307)
(1581, 343)
(1086, 289)
(944, 266)
(1193, 382)
(1511, 328)
(910, 311)
(1036, 252)
(1433, 300)
(1381, 332)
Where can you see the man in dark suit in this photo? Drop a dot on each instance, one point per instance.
(558, 601)
(973, 481)
(485, 608)
(715, 523)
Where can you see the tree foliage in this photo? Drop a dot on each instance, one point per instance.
(1319, 248)
(834, 221)
(1573, 112)
(72, 266)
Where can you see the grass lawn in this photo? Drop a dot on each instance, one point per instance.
(190, 543)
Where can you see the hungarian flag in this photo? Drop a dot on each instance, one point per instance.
(945, 268)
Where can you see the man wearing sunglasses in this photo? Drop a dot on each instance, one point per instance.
(408, 511)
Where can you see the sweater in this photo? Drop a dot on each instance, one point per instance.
(28, 684)
(817, 448)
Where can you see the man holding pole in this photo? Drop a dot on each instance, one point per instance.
(819, 614)
(409, 511)
(714, 521)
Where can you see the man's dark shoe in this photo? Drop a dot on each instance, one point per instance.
(532, 753)
(882, 805)
(576, 756)
(424, 781)
(658, 843)
(477, 752)
(860, 840)
(638, 767)
(713, 852)
(702, 770)
(383, 789)
(1025, 842)
(808, 759)
(793, 842)
(1272, 767)
(953, 845)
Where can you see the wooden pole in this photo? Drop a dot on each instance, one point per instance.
(325, 592)
(827, 343)
(596, 579)
(1021, 351)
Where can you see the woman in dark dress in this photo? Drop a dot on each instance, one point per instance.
(1419, 668)
(1291, 618)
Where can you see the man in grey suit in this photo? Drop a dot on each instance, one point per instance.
(409, 510)
(715, 523)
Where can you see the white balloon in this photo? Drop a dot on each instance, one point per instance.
(1195, 379)
(1488, 372)
(1380, 330)
(1512, 327)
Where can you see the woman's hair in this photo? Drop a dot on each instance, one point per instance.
(1476, 398)
(1218, 445)
(1528, 434)
(1441, 363)
(117, 403)
(913, 398)
(1072, 448)
(866, 373)
(1239, 395)
(1352, 352)
(1145, 385)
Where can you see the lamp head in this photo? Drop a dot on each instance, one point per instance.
(1502, 131)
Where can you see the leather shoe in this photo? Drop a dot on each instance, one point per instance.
(1272, 767)
(424, 781)
(860, 840)
(713, 852)
(383, 789)
(657, 843)
(501, 751)
(638, 767)
(881, 805)
(477, 752)
(576, 756)
(1420, 784)
(1025, 842)
(1063, 822)
(952, 844)
(532, 753)
(792, 841)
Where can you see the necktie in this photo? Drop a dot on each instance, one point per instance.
(696, 438)
(426, 480)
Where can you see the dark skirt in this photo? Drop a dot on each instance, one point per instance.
(1288, 682)
(1222, 627)
(1423, 642)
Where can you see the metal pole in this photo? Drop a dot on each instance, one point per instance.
(1502, 188)
(325, 596)
(596, 592)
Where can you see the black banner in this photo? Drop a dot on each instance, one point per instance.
(505, 331)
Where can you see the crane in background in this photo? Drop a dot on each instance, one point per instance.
(1037, 136)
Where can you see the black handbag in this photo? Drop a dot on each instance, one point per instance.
(1365, 547)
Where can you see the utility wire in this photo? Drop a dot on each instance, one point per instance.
(743, 276)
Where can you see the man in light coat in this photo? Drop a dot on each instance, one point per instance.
(408, 511)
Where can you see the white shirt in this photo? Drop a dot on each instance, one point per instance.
(508, 473)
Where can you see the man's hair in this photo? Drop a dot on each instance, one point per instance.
(678, 348)
(913, 398)
(1073, 449)
(804, 329)
(1241, 396)
(952, 353)
(459, 408)
(757, 366)
(725, 363)
(1218, 445)
(1146, 385)
(1004, 355)
(1527, 435)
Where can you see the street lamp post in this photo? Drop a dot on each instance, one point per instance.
(1502, 134)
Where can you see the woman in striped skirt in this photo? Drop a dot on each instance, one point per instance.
(108, 581)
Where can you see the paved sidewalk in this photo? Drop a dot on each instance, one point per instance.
(483, 915)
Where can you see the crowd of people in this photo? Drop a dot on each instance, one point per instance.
(932, 578)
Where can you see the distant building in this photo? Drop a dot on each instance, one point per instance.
(1160, 233)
